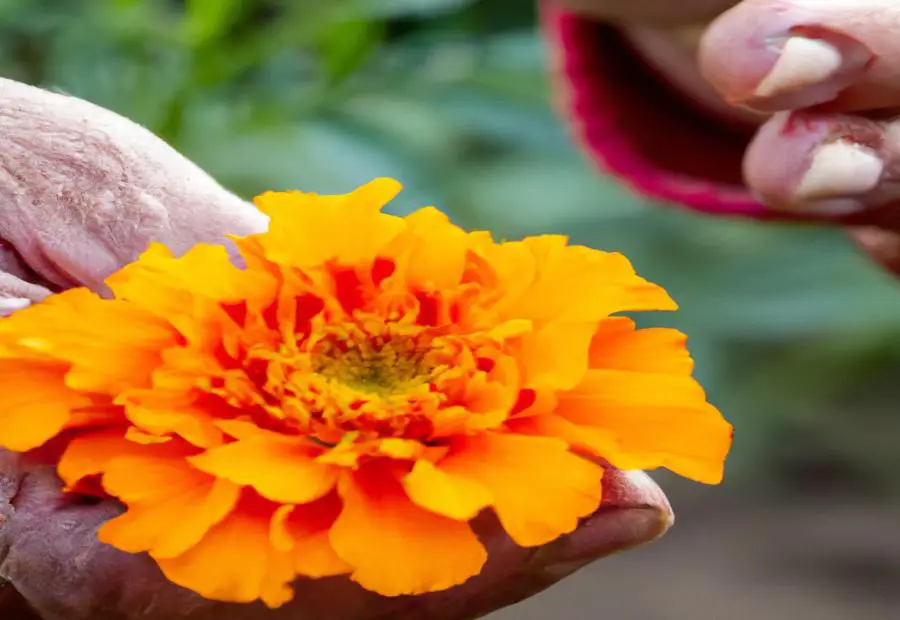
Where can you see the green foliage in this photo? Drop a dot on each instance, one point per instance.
(791, 328)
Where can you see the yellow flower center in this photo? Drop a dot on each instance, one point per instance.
(348, 380)
(380, 365)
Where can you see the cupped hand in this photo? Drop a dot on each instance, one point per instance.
(821, 78)
(83, 191)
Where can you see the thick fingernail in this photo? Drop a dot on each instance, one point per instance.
(802, 62)
(839, 175)
(811, 67)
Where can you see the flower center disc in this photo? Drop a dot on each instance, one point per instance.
(382, 365)
(351, 384)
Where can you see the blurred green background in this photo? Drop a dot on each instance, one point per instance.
(796, 336)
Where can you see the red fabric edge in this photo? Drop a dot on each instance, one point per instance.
(620, 111)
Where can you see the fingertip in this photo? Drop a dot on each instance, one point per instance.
(634, 512)
(771, 56)
(826, 167)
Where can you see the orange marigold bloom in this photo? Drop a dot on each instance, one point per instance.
(351, 397)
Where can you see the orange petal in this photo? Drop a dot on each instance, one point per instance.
(35, 404)
(540, 489)
(89, 453)
(617, 344)
(284, 472)
(111, 345)
(581, 284)
(235, 562)
(158, 412)
(431, 253)
(436, 490)
(556, 355)
(308, 229)
(166, 284)
(170, 505)
(504, 268)
(303, 530)
(590, 439)
(656, 420)
(396, 547)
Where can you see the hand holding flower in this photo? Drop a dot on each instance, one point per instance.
(344, 405)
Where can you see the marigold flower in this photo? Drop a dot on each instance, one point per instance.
(352, 397)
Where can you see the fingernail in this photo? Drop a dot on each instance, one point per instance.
(840, 172)
(813, 67)
(802, 62)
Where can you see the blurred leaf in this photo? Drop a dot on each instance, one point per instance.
(345, 46)
(209, 19)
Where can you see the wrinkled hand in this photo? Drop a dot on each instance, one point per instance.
(821, 77)
(82, 192)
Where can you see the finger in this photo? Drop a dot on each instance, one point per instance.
(788, 54)
(657, 12)
(16, 292)
(84, 190)
(634, 511)
(50, 555)
(830, 166)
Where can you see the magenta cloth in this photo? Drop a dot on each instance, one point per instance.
(641, 130)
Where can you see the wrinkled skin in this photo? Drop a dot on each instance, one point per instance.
(82, 192)
(722, 51)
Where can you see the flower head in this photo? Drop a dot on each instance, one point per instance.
(351, 396)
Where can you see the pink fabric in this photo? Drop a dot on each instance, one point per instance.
(640, 130)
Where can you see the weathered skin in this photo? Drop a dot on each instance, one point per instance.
(82, 192)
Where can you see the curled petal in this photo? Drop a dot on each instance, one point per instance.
(303, 530)
(556, 355)
(653, 420)
(394, 546)
(540, 489)
(236, 562)
(431, 253)
(580, 284)
(90, 453)
(308, 230)
(171, 506)
(443, 493)
(281, 471)
(37, 405)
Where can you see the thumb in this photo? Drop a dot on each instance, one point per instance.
(84, 190)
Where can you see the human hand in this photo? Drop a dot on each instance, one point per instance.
(83, 192)
(821, 78)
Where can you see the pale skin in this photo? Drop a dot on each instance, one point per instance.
(83, 191)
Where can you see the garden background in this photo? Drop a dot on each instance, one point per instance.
(796, 336)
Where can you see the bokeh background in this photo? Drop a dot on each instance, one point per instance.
(796, 337)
